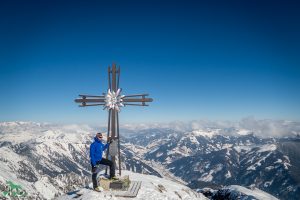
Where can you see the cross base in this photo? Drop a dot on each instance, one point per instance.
(122, 187)
(122, 183)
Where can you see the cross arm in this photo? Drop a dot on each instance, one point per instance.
(95, 100)
(89, 100)
(137, 100)
(130, 100)
(92, 100)
(93, 96)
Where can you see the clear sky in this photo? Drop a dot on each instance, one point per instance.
(197, 59)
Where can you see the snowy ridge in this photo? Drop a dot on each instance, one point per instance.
(267, 147)
(152, 188)
(43, 158)
(234, 192)
(255, 192)
(209, 133)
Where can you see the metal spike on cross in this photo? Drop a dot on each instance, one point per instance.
(113, 101)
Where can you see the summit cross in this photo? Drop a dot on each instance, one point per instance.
(113, 101)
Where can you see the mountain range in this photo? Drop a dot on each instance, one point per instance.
(49, 160)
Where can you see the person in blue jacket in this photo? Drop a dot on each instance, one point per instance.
(96, 151)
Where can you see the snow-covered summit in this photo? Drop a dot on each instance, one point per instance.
(233, 192)
(239, 192)
(152, 187)
(212, 132)
(209, 133)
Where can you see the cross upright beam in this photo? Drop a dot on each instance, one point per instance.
(113, 101)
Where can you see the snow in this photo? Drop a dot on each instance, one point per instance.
(278, 161)
(267, 147)
(286, 165)
(258, 163)
(241, 148)
(44, 187)
(52, 142)
(8, 153)
(152, 188)
(159, 154)
(227, 146)
(251, 168)
(228, 174)
(208, 177)
(183, 151)
(243, 132)
(7, 174)
(46, 142)
(268, 183)
(269, 168)
(206, 133)
(153, 150)
(257, 193)
(194, 140)
(138, 150)
(227, 151)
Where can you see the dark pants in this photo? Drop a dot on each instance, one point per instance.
(106, 162)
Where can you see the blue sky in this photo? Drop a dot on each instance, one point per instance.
(197, 59)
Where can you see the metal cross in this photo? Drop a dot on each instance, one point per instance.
(113, 101)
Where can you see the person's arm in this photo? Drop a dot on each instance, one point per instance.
(92, 154)
(106, 146)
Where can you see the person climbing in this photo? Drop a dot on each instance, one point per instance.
(96, 151)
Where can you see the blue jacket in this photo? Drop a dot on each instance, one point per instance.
(96, 150)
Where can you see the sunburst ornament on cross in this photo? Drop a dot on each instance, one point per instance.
(113, 101)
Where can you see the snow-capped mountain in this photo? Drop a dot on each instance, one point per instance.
(213, 157)
(233, 192)
(49, 160)
(46, 160)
